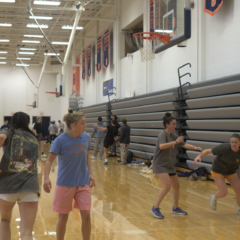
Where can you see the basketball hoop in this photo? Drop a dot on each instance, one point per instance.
(30, 106)
(50, 96)
(147, 48)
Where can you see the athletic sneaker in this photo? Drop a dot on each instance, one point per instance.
(213, 203)
(149, 171)
(43, 155)
(238, 212)
(144, 170)
(93, 157)
(179, 211)
(156, 212)
(106, 163)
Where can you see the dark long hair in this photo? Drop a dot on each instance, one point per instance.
(20, 120)
(167, 119)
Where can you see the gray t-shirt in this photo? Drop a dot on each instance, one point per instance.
(227, 161)
(19, 163)
(52, 128)
(164, 160)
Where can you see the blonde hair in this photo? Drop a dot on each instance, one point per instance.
(72, 117)
(39, 118)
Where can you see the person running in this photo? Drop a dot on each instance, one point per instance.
(5, 125)
(60, 127)
(112, 134)
(75, 178)
(225, 164)
(114, 145)
(163, 163)
(99, 139)
(18, 176)
(124, 140)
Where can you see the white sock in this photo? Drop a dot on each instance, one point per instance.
(105, 160)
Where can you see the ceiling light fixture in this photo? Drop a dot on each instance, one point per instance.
(34, 36)
(27, 53)
(3, 63)
(71, 27)
(4, 40)
(5, 24)
(28, 41)
(47, 3)
(51, 54)
(24, 58)
(20, 65)
(40, 17)
(3, 52)
(36, 26)
(8, 1)
(3, 58)
(31, 49)
(61, 43)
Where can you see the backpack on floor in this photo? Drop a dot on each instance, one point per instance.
(129, 157)
(199, 173)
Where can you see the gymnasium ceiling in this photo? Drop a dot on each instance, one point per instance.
(63, 15)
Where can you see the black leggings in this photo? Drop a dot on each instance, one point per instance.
(172, 174)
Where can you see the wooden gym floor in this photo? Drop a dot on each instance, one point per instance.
(121, 204)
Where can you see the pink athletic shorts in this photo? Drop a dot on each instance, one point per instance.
(63, 198)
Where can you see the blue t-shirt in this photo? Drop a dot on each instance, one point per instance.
(72, 159)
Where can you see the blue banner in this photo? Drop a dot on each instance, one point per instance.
(212, 6)
(99, 53)
(151, 16)
(107, 85)
(106, 48)
(89, 60)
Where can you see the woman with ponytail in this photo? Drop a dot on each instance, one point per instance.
(163, 163)
(18, 176)
(75, 179)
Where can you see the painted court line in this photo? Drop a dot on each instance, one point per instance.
(136, 232)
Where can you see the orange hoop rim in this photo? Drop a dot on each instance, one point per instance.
(155, 36)
(30, 105)
(56, 93)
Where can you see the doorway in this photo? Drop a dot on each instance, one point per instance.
(45, 125)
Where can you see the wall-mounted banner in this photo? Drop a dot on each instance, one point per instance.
(89, 60)
(151, 15)
(99, 53)
(78, 76)
(212, 6)
(107, 85)
(74, 80)
(157, 14)
(106, 48)
(83, 64)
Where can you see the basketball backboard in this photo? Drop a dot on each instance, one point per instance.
(172, 17)
(59, 84)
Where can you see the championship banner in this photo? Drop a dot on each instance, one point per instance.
(158, 14)
(89, 60)
(83, 64)
(151, 15)
(74, 80)
(212, 6)
(99, 53)
(107, 87)
(78, 76)
(106, 48)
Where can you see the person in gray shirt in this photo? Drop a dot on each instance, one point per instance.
(124, 140)
(225, 164)
(163, 163)
(18, 176)
(53, 130)
(99, 139)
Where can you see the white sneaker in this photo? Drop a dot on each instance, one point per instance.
(238, 212)
(144, 170)
(93, 157)
(213, 203)
(149, 171)
(44, 155)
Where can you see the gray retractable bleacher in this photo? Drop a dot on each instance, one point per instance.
(214, 115)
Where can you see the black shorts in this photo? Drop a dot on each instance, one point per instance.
(107, 144)
(172, 174)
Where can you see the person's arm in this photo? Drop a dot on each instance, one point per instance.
(203, 154)
(100, 128)
(3, 138)
(163, 146)
(121, 135)
(91, 179)
(191, 147)
(47, 185)
(34, 129)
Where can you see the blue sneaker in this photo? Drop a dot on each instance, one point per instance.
(106, 163)
(179, 211)
(156, 212)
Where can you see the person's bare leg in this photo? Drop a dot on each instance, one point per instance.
(61, 226)
(175, 187)
(222, 187)
(42, 147)
(86, 224)
(6, 214)
(235, 183)
(28, 212)
(165, 179)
